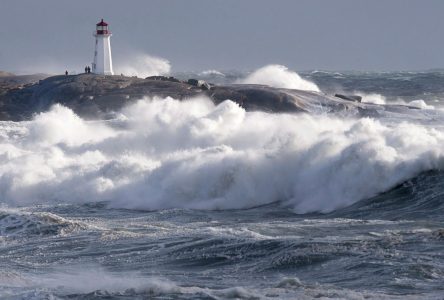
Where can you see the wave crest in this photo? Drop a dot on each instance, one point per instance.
(280, 77)
(144, 65)
(165, 153)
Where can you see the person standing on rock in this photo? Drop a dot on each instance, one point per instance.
(66, 72)
(89, 70)
(86, 69)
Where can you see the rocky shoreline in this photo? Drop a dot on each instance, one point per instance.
(98, 96)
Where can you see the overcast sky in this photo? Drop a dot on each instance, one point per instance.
(227, 34)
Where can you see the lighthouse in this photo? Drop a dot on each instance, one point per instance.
(103, 63)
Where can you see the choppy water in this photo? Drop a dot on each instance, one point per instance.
(216, 203)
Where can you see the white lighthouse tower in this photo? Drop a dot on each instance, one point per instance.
(103, 63)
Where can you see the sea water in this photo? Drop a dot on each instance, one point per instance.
(187, 200)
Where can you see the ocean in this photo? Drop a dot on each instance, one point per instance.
(187, 200)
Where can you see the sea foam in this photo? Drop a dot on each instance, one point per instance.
(280, 77)
(144, 65)
(165, 153)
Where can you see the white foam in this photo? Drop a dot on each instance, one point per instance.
(280, 77)
(143, 65)
(212, 73)
(84, 280)
(87, 279)
(420, 104)
(163, 153)
(380, 99)
(372, 98)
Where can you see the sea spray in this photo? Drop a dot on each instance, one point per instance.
(166, 153)
(381, 100)
(280, 77)
(143, 65)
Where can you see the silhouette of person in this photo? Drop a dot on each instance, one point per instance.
(66, 72)
(89, 69)
(86, 69)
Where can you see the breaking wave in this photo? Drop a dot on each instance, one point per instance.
(280, 77)
(165, 153)
(144, 65)
(211, 73)
(380, 99)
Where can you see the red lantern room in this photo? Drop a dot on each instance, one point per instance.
(102, 28)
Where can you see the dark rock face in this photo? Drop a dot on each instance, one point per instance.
(199, 83)
(163, 78)
(89, 95)
(11, 84)
(349, 97)
(19, 80)
(96, 96)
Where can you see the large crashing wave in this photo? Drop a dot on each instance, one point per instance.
(144, 65)
(280, 77)
(164, 153)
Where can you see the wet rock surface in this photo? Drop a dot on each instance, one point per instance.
(96, 96)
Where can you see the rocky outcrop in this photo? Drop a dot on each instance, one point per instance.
(199, 83)
(10, 84)
(349, 97)
(163, 78)
(97, 96)
(89, 95)
(12, 80)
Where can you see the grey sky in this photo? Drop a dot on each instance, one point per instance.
(227, 34)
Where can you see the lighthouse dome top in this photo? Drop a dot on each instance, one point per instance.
(102, 23)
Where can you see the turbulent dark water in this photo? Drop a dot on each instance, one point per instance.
(217, 203)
